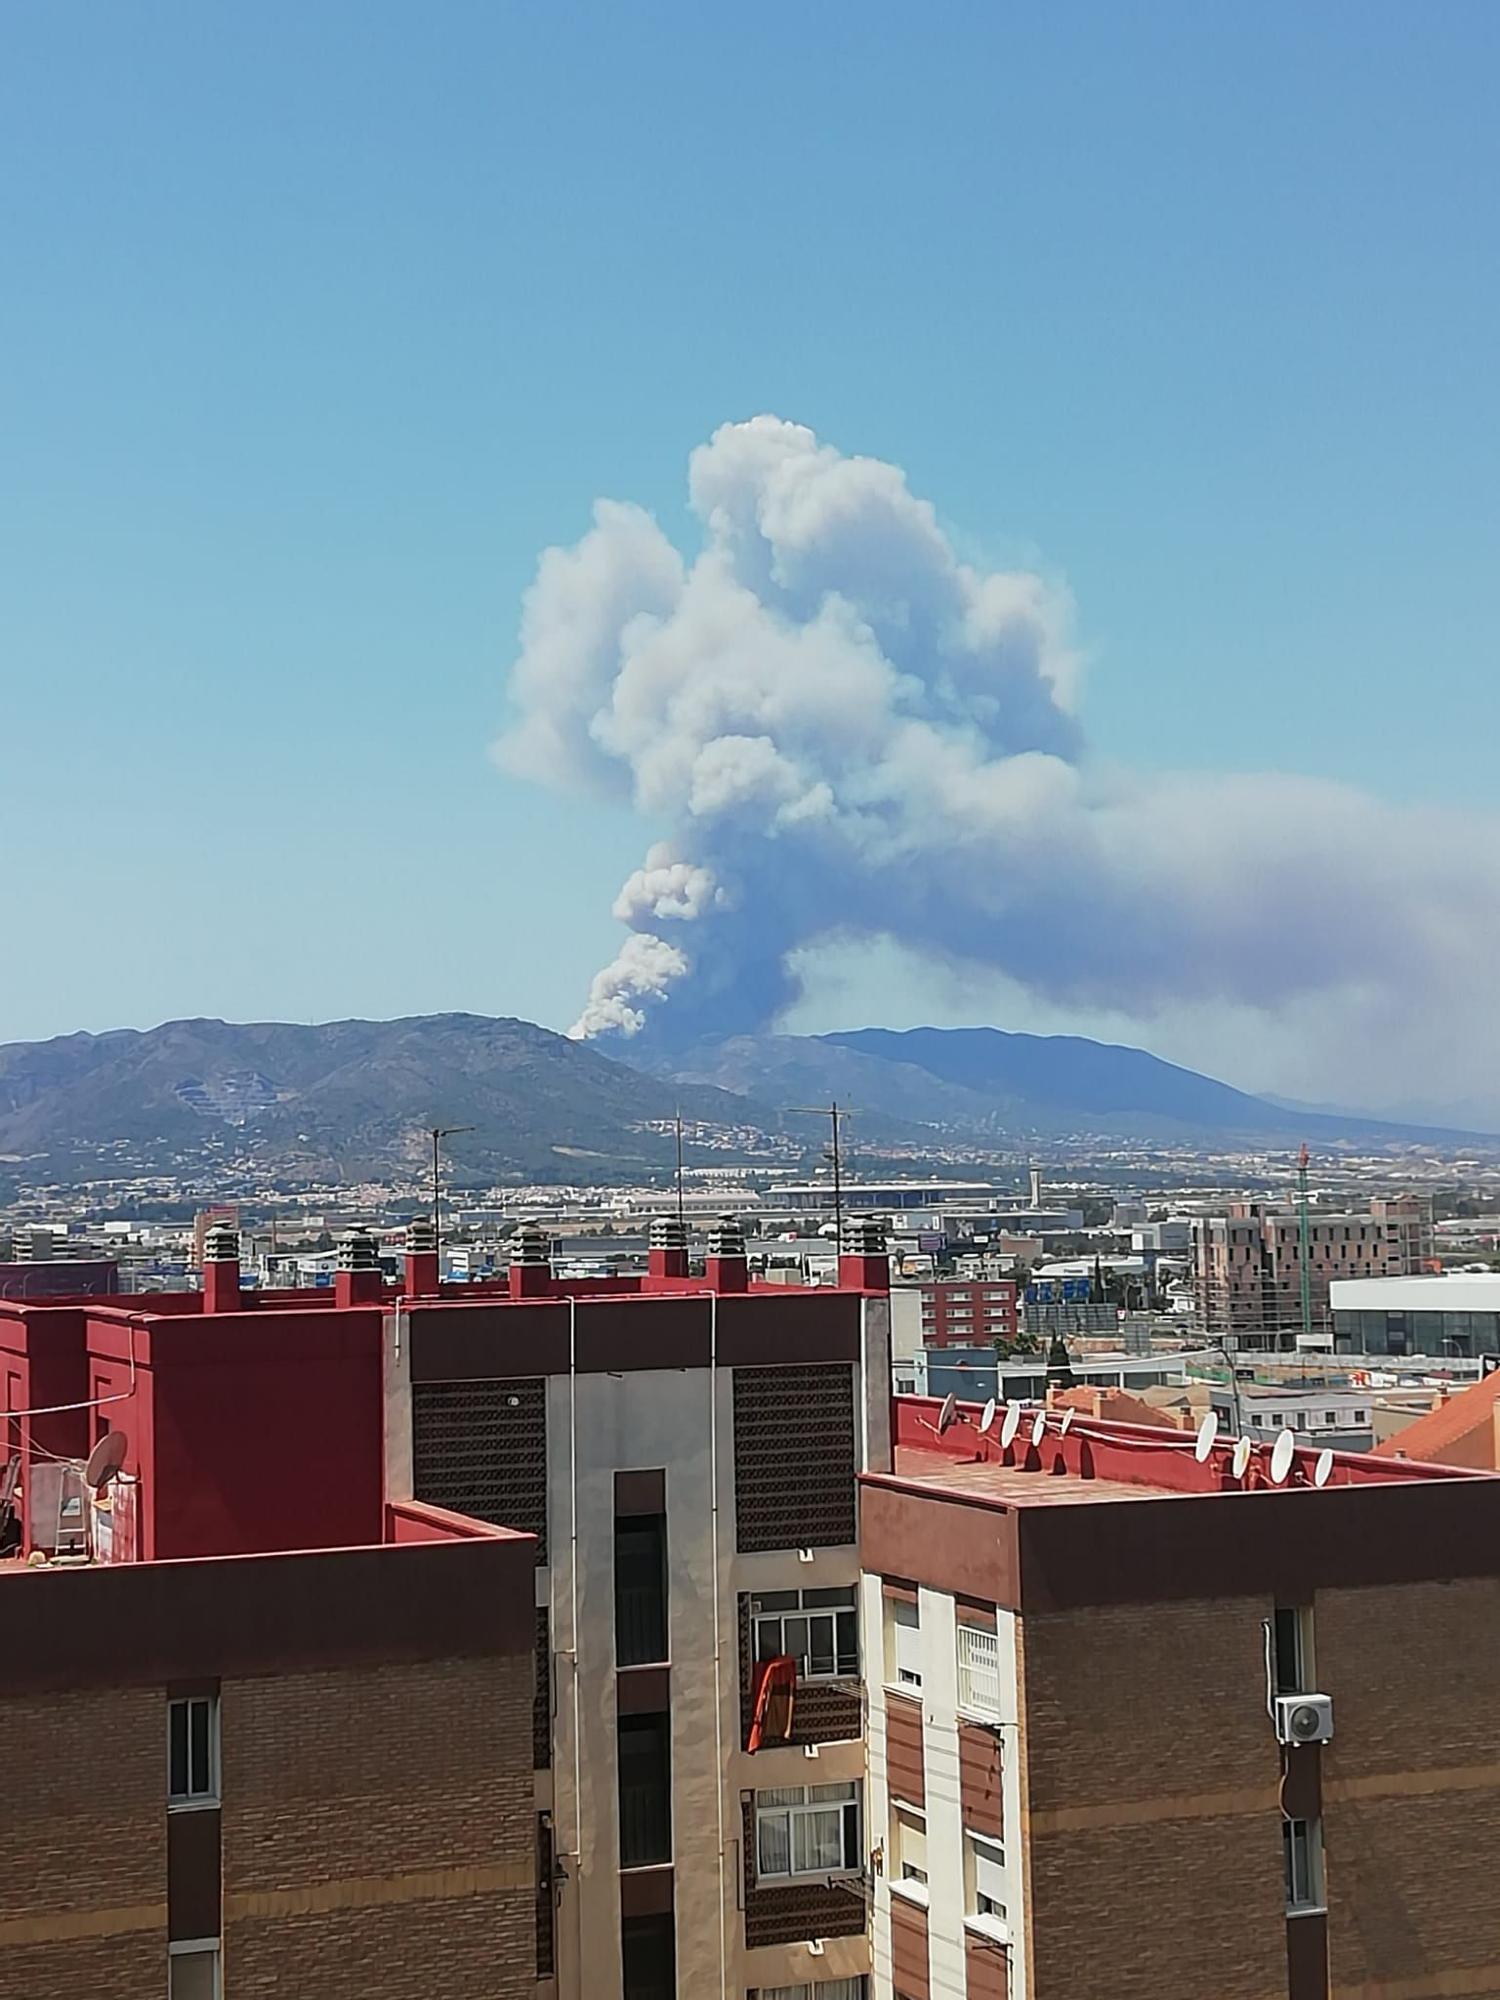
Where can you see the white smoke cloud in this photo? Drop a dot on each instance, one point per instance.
(852, 733)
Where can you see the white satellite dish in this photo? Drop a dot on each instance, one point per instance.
(1039, 1428)
(987, 1417)
(1323, 1468)
(1282, 1454)
(947, 1413)
(1240, 1463)
(1011, 1424)
(1208, 1430)
(1067, 1423)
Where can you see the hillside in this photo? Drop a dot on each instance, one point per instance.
(344, 1100)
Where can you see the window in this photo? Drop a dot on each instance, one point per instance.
(648, 1956)
(984, 1878)
(645, 1756)
(1303, 1843)
(640, 1589)
(807, 1830)
(193, 1751)
(904, 1647)
(819, 1629)
(978, 1671)
(908, 1863)
(193, 1970)
(818, 1989)
(1293, 1649)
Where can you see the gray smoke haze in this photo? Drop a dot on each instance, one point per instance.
(851, 733)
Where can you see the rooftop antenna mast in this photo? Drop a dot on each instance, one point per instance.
(437, 1134)
(1303, 1251)
(681, 1222)
(835, 1113)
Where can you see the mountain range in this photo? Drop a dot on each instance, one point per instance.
(355, 1100)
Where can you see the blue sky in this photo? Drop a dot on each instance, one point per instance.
(321, 321)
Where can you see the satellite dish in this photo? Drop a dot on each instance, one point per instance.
(1240, 1463)
(1039, 1428)
(1282, 1454)
(1067, 1423)
(1208, 1430)
(1011, 1424)
(947, 1413)
(1323, 1467)
(105, 1460)
(987, 1417)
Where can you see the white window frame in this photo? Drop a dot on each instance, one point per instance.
(831, 1613)
(979, 1677)
(984, 1875)
(906, 1643)
(908, 1851)
(1310, 1901)
(194, 1799)
(209, 1948)
(852, 1988)
(796, 1805)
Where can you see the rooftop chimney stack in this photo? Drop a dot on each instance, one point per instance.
(864, 1263)
(422, 1278)
(221, 1270)
(667, 1252)
(357, 1281)
(726, 1268)
(530, 1263)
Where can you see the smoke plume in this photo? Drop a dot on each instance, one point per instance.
(849, 732)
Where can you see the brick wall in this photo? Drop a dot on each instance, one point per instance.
(1411, 1787)
(1147, 1758)
(480, 1448)
(83, 1842)
(379, 1837)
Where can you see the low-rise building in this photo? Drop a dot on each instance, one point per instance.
(1456, 1315)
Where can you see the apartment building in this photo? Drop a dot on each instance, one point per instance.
(1144, 1724)
(1248, 1263)
(260, 1731)
(965, 1311)
(675, 1459)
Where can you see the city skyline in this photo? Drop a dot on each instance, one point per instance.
(329, 323)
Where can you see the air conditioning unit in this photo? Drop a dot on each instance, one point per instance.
(1304, 1718)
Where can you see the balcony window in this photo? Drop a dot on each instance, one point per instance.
(645, 1759)
(984, 1881)
(908, 1863)
(903, 1643)
(979, 1672)
(819, 1629)
(807, 1830)
(640, 1590)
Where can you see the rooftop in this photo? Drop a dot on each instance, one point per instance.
(1046, 1465)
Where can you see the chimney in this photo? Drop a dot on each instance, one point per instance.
(221, 1270)
(864, 1265)
(422, 1278)
(357, 1281)
(667, 1254)
(530, 1263)
(726, 1268)
(1036, 1187)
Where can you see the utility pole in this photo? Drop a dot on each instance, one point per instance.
(437, 1134)
(1303, 1248)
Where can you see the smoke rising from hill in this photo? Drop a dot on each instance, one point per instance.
(851, 733)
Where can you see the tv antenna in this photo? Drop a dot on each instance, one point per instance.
(1039, 1427)
(1067, 1421)
(1208, 1430)
(437, 1134)
(1240, 1463)
(947, 1413)
(987, 1417)
(835, 1113)
(677, 1122)
(1323, 1470)
(1011, 1425)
